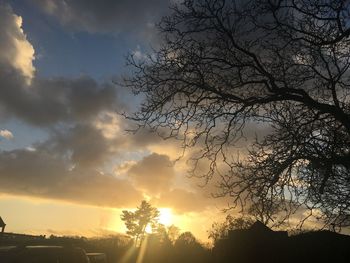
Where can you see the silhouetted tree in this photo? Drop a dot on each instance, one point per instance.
(277, 63)
(137, 222)
(219, 230)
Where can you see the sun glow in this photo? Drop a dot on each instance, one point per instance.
(165, 216)
(148, 229)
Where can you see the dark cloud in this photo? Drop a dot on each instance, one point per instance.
(142, 137)
(82, 97)
(183, 201)
(41, 173)
(106, 16)
(154, 173)
(84, 143)
(49, 101)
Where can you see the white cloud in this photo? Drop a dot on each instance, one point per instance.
(16, 50)
(138, 54)
(109, 124)
(6, 134)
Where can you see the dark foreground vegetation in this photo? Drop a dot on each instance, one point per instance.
(116, 248)
(257, 243)
(260, 244)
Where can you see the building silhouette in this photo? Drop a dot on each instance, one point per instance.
(2, 225)
(261, 244)
(256, 244)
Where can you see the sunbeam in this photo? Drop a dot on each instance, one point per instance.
(142, 250)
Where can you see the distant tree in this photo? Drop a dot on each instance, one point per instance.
(173, 233)
(161, 232)
(186, 239)
(166, 234)
(220, 230)
(277, 63)
(188, 249)
(136, 222)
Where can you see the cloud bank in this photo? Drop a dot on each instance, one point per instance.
(106, 16)
(85, 135)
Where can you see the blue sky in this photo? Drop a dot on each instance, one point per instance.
(61, 51)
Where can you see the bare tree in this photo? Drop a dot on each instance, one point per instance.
(280, 63)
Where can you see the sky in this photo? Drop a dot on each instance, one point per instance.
(67, 164)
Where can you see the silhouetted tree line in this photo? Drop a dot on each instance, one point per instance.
(153, 249)
(261, 244)
(242, 241)
(236, 240)
(113, 246)
(163, 244)
(158, 247)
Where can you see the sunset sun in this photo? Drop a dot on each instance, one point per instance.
(148, 229)
(165, 217)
